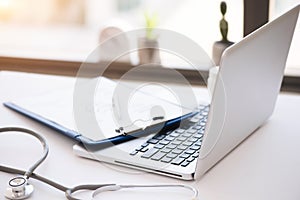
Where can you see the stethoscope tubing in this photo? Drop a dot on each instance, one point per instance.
(97, 188)
(68, 191)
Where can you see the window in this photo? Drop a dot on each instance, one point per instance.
(72, 26)
(186, 17)
(277, 7)
(69, 29)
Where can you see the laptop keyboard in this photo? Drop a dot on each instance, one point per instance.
(178, 147)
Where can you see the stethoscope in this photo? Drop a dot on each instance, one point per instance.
(20, 188)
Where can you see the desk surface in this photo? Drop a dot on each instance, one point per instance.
(265, 166)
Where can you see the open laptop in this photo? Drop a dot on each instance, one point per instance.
(245, 94)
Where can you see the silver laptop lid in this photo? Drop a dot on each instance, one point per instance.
(247, 87)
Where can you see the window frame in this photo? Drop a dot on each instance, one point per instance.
(117, 69)
(256, 13)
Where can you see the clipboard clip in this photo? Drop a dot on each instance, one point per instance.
(121, 130)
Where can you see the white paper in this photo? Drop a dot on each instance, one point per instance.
(110, 109)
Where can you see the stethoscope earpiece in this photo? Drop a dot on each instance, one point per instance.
(18, 188)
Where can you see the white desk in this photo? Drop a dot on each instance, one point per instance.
(265, 166)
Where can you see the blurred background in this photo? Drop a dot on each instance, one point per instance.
(70, 29)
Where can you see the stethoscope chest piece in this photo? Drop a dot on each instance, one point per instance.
(18, 189)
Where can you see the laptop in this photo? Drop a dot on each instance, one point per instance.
(245, 93)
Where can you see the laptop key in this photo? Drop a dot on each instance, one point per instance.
(192, 139)
(192, 131)
(201, 117)
(202, 124)
(150, 153)
(164, 142)
(176, 142)
(184, 155)
(195, 155)
(139, 148)
(198, 143)
(177, 161)
(194, 119)
(206, 108)
(190, 159)
(179, 130)
(177, 151)
(198, 135)
(174, 134)
(187, 135)
(170, 138)
(182, 147)
(185, 163)
(159, 146)
(186, 143)
(158, 156)
(205, 113)
(171, 155)
(145, 144)
(153, 141)
(144, 149)
(189, 151)
(166, 159)
(181, 138)
(171, 146)
(159, 137)
(166, 150)
(195, 147)
(133, 153)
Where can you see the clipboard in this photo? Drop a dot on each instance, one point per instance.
(116, 134)
(104, 143)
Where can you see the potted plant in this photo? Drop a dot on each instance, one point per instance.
(221, 45)
(148, 45)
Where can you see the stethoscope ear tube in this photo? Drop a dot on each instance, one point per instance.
(115, 187)
(69, 192)
(37, 136)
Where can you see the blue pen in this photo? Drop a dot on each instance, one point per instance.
(93, 145)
